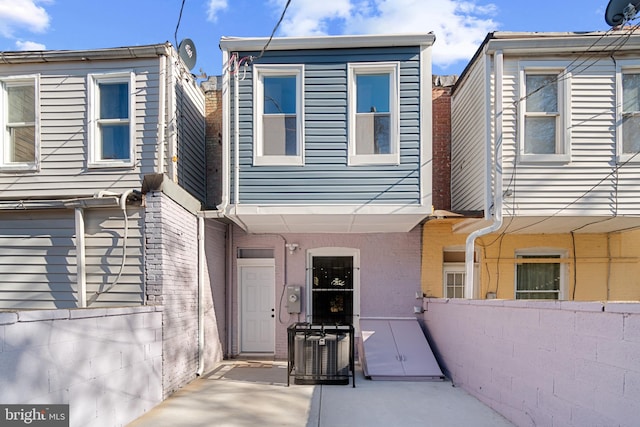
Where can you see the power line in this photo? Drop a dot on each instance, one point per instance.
(175, 35)
(284, 11)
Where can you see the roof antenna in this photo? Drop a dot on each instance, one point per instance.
(619, 12)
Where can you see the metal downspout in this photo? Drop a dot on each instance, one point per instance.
(81, 273)
(162, 122)
(469, 291)
(201, 261)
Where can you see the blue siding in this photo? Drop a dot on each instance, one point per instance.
(325, 177)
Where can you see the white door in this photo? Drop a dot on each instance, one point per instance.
(257, 308)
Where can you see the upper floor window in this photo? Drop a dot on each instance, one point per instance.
(20, 135)
(539, 275)
(374, 135)
(542, 115)
(111, 120)
(629, 116)
(278, 115)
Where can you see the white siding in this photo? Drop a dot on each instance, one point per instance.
(468, 140)
(38, 265)
(104, 234)
(63, 107)
(587, 184)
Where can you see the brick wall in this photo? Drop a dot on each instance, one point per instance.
(172, 280)
(212, 88)
(543, 363)
(441, 98)
(105, 363)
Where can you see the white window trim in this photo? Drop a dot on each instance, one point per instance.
(27, 166)
(622, 67)
(394, 106)
(563, 133)
(259, 71)
(453, 267)
(563, 254)
(94, 160)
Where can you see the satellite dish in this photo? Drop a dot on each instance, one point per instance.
(620, 12)
(187, 51)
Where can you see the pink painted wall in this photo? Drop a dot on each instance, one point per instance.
(389, 274)
(543, 363)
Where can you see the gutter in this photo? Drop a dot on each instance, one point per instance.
(201, 262)
(469, 288)
(85, 55)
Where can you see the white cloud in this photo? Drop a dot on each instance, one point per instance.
(459, 25)
(213, 7)
(28, 45)
(22, 14)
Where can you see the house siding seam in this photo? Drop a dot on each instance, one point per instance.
(172, 281)
(326, 178)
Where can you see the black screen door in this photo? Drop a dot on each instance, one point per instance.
(332, 290)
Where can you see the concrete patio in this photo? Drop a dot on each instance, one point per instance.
(242, 393)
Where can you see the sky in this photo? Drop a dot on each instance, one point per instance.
(460, 26)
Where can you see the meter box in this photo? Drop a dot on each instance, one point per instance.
(294, 299)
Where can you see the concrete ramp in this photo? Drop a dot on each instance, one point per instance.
(396, 349)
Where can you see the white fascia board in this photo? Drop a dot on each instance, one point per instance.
(247, 209)
(542, 43)
(326, 42)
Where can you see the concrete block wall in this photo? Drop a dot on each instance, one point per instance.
(105, 363)
(551, 363)
(172, 280)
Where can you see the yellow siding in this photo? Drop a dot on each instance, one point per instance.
(607, 266)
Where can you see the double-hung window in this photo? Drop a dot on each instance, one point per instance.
(539, 276)
(543, 130)
(278, 115)
(111, 120)
(628, 131)
(20, 134)
(374, 132)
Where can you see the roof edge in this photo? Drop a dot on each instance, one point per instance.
(327, 42)
(127, 52)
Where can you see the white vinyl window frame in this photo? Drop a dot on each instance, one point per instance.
(364, 68)
(94, 135)
(553, 254)
(624, 67)
(562, 115)
(275, 70)
(5, 137)
(456, 269)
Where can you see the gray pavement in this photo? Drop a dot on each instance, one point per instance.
(242, 393)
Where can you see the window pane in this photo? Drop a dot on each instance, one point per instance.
(280, 135)
(115, 142)
(22, 106)
(333, 272)
(373, 93)
(23, 145)
(542, 93)
(280, 95)
(373, 133)
(631, 134)
(540, 135)
(538, 277)
(630, 89)
(114, 100)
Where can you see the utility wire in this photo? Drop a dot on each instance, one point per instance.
(175, 35)
(284, 11)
